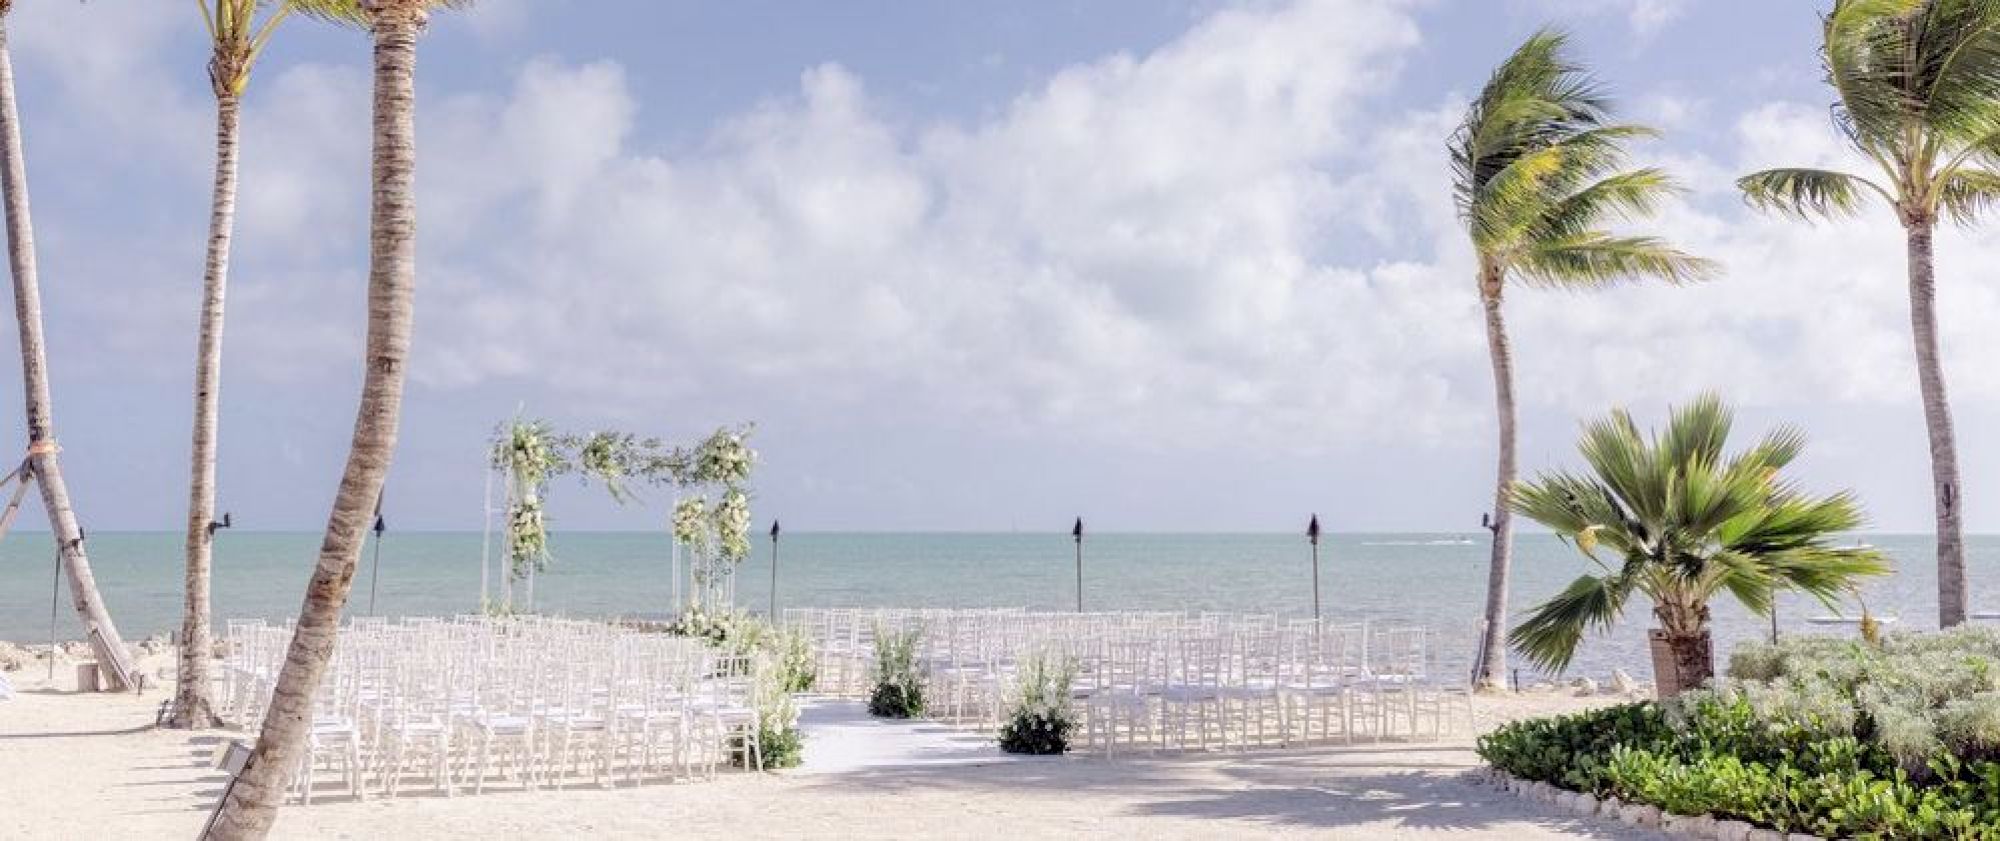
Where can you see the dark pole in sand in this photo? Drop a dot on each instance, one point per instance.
(375, 573)
(1077, 534)
(1312, 534)
(774, 572)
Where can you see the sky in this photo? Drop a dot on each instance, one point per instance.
(967, 266)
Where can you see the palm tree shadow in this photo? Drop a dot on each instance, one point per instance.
(1370, 790)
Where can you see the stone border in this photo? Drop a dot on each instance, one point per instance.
(1585, 805)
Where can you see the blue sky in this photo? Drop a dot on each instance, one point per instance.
(1169, 265)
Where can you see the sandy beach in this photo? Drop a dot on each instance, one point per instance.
(77, 766)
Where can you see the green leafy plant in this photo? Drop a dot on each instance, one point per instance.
(1839, 738)
(899, 686)
(1042, 716)
(1675, 518)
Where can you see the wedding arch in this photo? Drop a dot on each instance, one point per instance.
(710, 519)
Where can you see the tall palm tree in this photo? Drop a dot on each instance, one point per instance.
(394, 25)
(113, 660)
(237, 39)
(1539, 171)
(1673, 517)
(1918, 83)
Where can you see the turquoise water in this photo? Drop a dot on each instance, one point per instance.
(1433, 580)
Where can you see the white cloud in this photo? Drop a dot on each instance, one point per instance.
(1242, 240)
(1645, 17)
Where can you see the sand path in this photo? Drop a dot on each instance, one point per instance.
(92, 767)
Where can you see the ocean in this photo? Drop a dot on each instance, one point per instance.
(1434, 580)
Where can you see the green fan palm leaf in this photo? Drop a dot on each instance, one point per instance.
(1676, 517)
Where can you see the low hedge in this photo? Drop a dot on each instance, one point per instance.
(1713, 755)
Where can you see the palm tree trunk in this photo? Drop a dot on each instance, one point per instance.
(1683, 648)
(1492, 655)
(252, 804)
(113, 660)
(192, 705)
(1945, 489)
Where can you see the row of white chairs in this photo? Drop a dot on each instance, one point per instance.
(1153, 680)
(529, 701)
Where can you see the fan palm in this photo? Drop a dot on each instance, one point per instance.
(1919, 94)
(1539, 171)
(41, 466)
(252, 804)
(1675, 518)
(237, 38)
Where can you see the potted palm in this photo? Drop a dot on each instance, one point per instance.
(1673, 517)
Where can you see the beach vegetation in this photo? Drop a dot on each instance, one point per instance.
(1841, 738)
(1917, 86)
(1539, 172)
(1675, 518)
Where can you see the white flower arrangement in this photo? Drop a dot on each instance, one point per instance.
(713, 522)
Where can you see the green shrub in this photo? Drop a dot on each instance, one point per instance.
(1572, 750)
(1832, 737)
(899, 687)
(1041, 717)
(1971, 725)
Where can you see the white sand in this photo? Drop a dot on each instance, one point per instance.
(91, 766)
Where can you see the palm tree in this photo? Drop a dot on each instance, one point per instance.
(1919, 94)
(1671, 516)
(113, 660)
(237, 40)
(252, 803)
(1538, 168)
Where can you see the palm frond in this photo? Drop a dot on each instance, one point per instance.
(1595, 260)
(361, 13)
(1807, 194)
(1919, 87)
(1621, 196)
(1966, 194)
(1549, 634)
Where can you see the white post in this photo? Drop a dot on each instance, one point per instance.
(485, 535)
(675, 553)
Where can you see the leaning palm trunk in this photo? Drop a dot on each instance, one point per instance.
(1952, 588)
(192, 705)
(252, 805)
(113, 660)
(1492, 654)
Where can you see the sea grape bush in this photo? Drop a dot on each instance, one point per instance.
(1838, 738)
